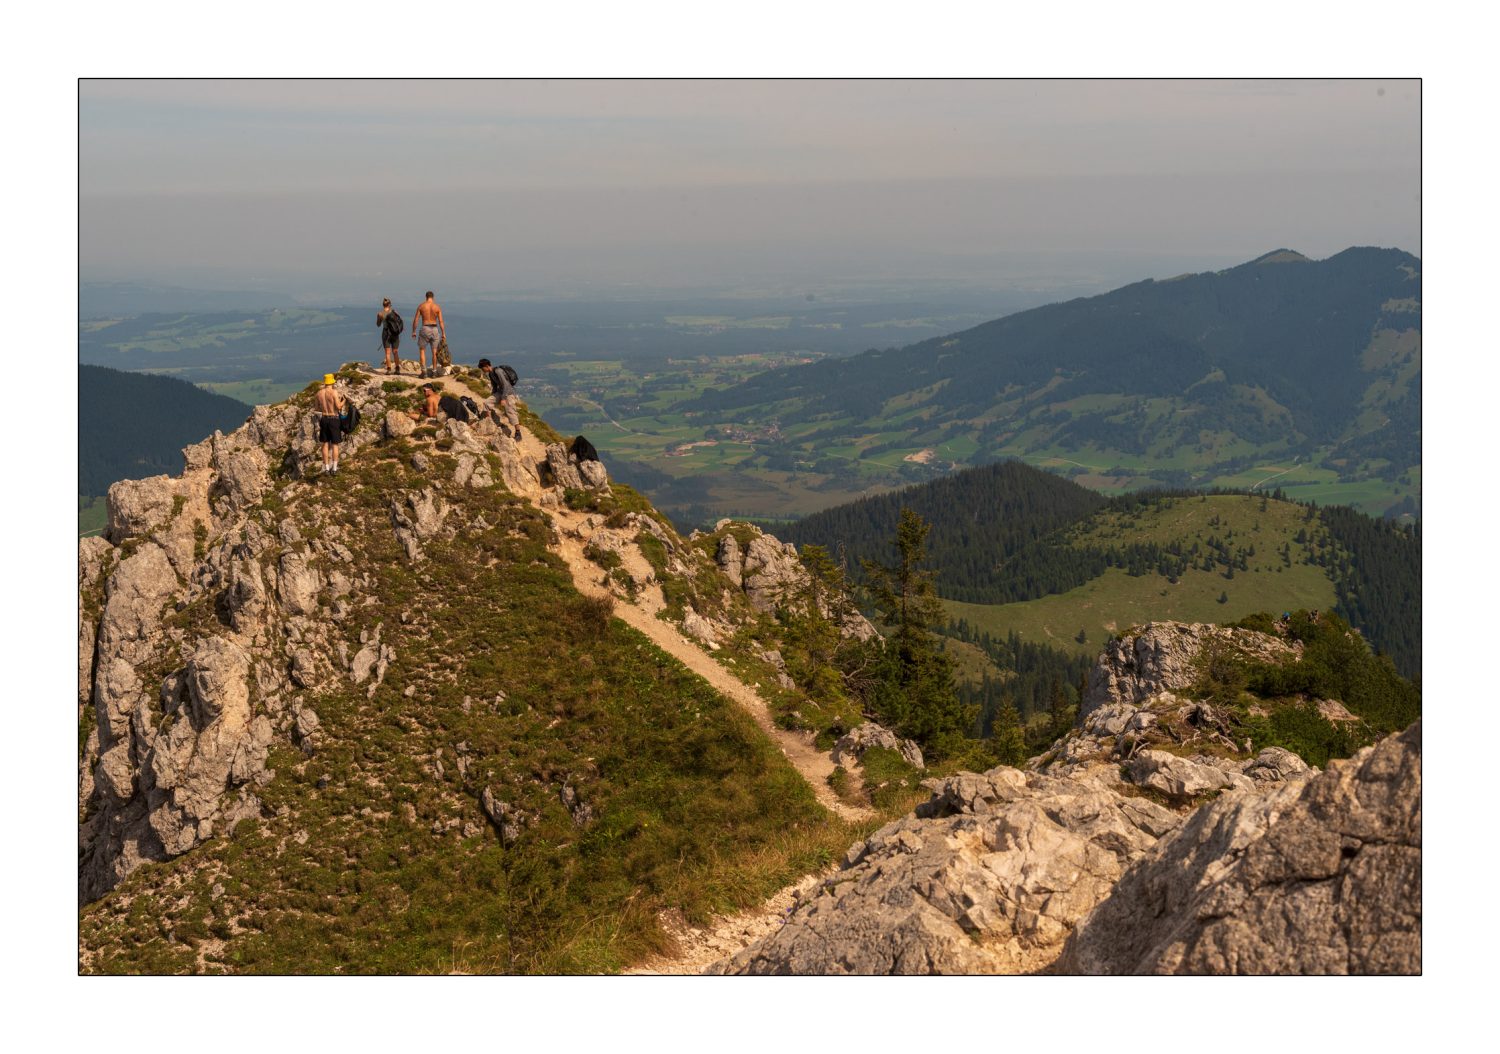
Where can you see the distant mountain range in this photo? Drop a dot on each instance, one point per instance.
(1308, 368)
(133, 425)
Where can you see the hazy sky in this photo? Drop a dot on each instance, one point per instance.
(494, 186)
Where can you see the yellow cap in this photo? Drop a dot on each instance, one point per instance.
(327, 378)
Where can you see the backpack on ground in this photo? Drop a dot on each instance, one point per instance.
(469, 405)
(583, 450)
(349, 419)
(455, 410)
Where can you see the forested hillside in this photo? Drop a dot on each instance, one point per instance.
(1016, 550)
(983, 521)
(133, 425)
(1310, 370)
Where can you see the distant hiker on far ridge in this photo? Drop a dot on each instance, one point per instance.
(502, 395)
(330, 406)
(429, 317)
(391, 325)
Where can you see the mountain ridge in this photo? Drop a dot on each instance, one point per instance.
(1177, 381)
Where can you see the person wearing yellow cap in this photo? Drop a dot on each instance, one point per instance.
(330, 405)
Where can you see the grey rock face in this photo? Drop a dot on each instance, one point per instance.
(772, 573)
(1277, 765)
(593, 474)
(1178, 778)
(298, 584)
(507, 821)
(1319, 877)
(852, 745)
(472, 471)
(419, 515)
(170, 784)
(1162, 657)
(699, 628)
(730, 560)
(989, 876)
(244, 473)
(563, 471)
(138, 506)
(517, 474)
(397, 424)
(245, 598)
(135, 598)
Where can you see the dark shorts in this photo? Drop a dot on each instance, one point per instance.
(392, 342)
(328, 428)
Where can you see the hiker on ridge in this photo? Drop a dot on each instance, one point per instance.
(502, 397)
(391, 325)
(330, 406)
(429, 316)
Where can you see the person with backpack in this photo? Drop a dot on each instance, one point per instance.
(502, 395)
(330, 404)
(390, 325)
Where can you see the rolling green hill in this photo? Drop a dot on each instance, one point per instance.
(1017, 551)
(1308, 372)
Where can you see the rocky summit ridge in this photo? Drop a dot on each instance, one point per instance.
(299, 722)
(425, 639)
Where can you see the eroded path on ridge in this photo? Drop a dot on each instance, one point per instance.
(573, 528)
(814, 765)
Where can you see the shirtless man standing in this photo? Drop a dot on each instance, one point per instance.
(329, 404)
(429, 317)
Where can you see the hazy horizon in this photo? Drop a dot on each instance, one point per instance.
(342, 189)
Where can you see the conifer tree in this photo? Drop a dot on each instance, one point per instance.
(914, 693)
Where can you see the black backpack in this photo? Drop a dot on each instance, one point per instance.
(583, 450)
(511, 375)
(469, 405)
(391, 325)
(453, 408)
(349, 419)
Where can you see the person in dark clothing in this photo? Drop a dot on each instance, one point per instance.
(390, 325)
(502, 398)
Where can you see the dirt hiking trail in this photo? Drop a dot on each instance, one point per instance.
(573, 528)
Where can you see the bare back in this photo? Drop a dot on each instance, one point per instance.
(328, 401)
(430, 312)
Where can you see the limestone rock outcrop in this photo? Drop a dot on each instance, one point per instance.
(987, 877)
(852, 745)
(564, 470)
(1321, 877)
(1162, 656)
(185, 711)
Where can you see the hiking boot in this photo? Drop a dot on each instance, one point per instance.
(518, 435)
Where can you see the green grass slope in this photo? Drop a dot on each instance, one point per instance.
(373, 854)
(1219, 558)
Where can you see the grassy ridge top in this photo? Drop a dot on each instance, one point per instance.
(373, 854)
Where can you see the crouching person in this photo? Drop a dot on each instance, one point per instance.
(502, 399)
